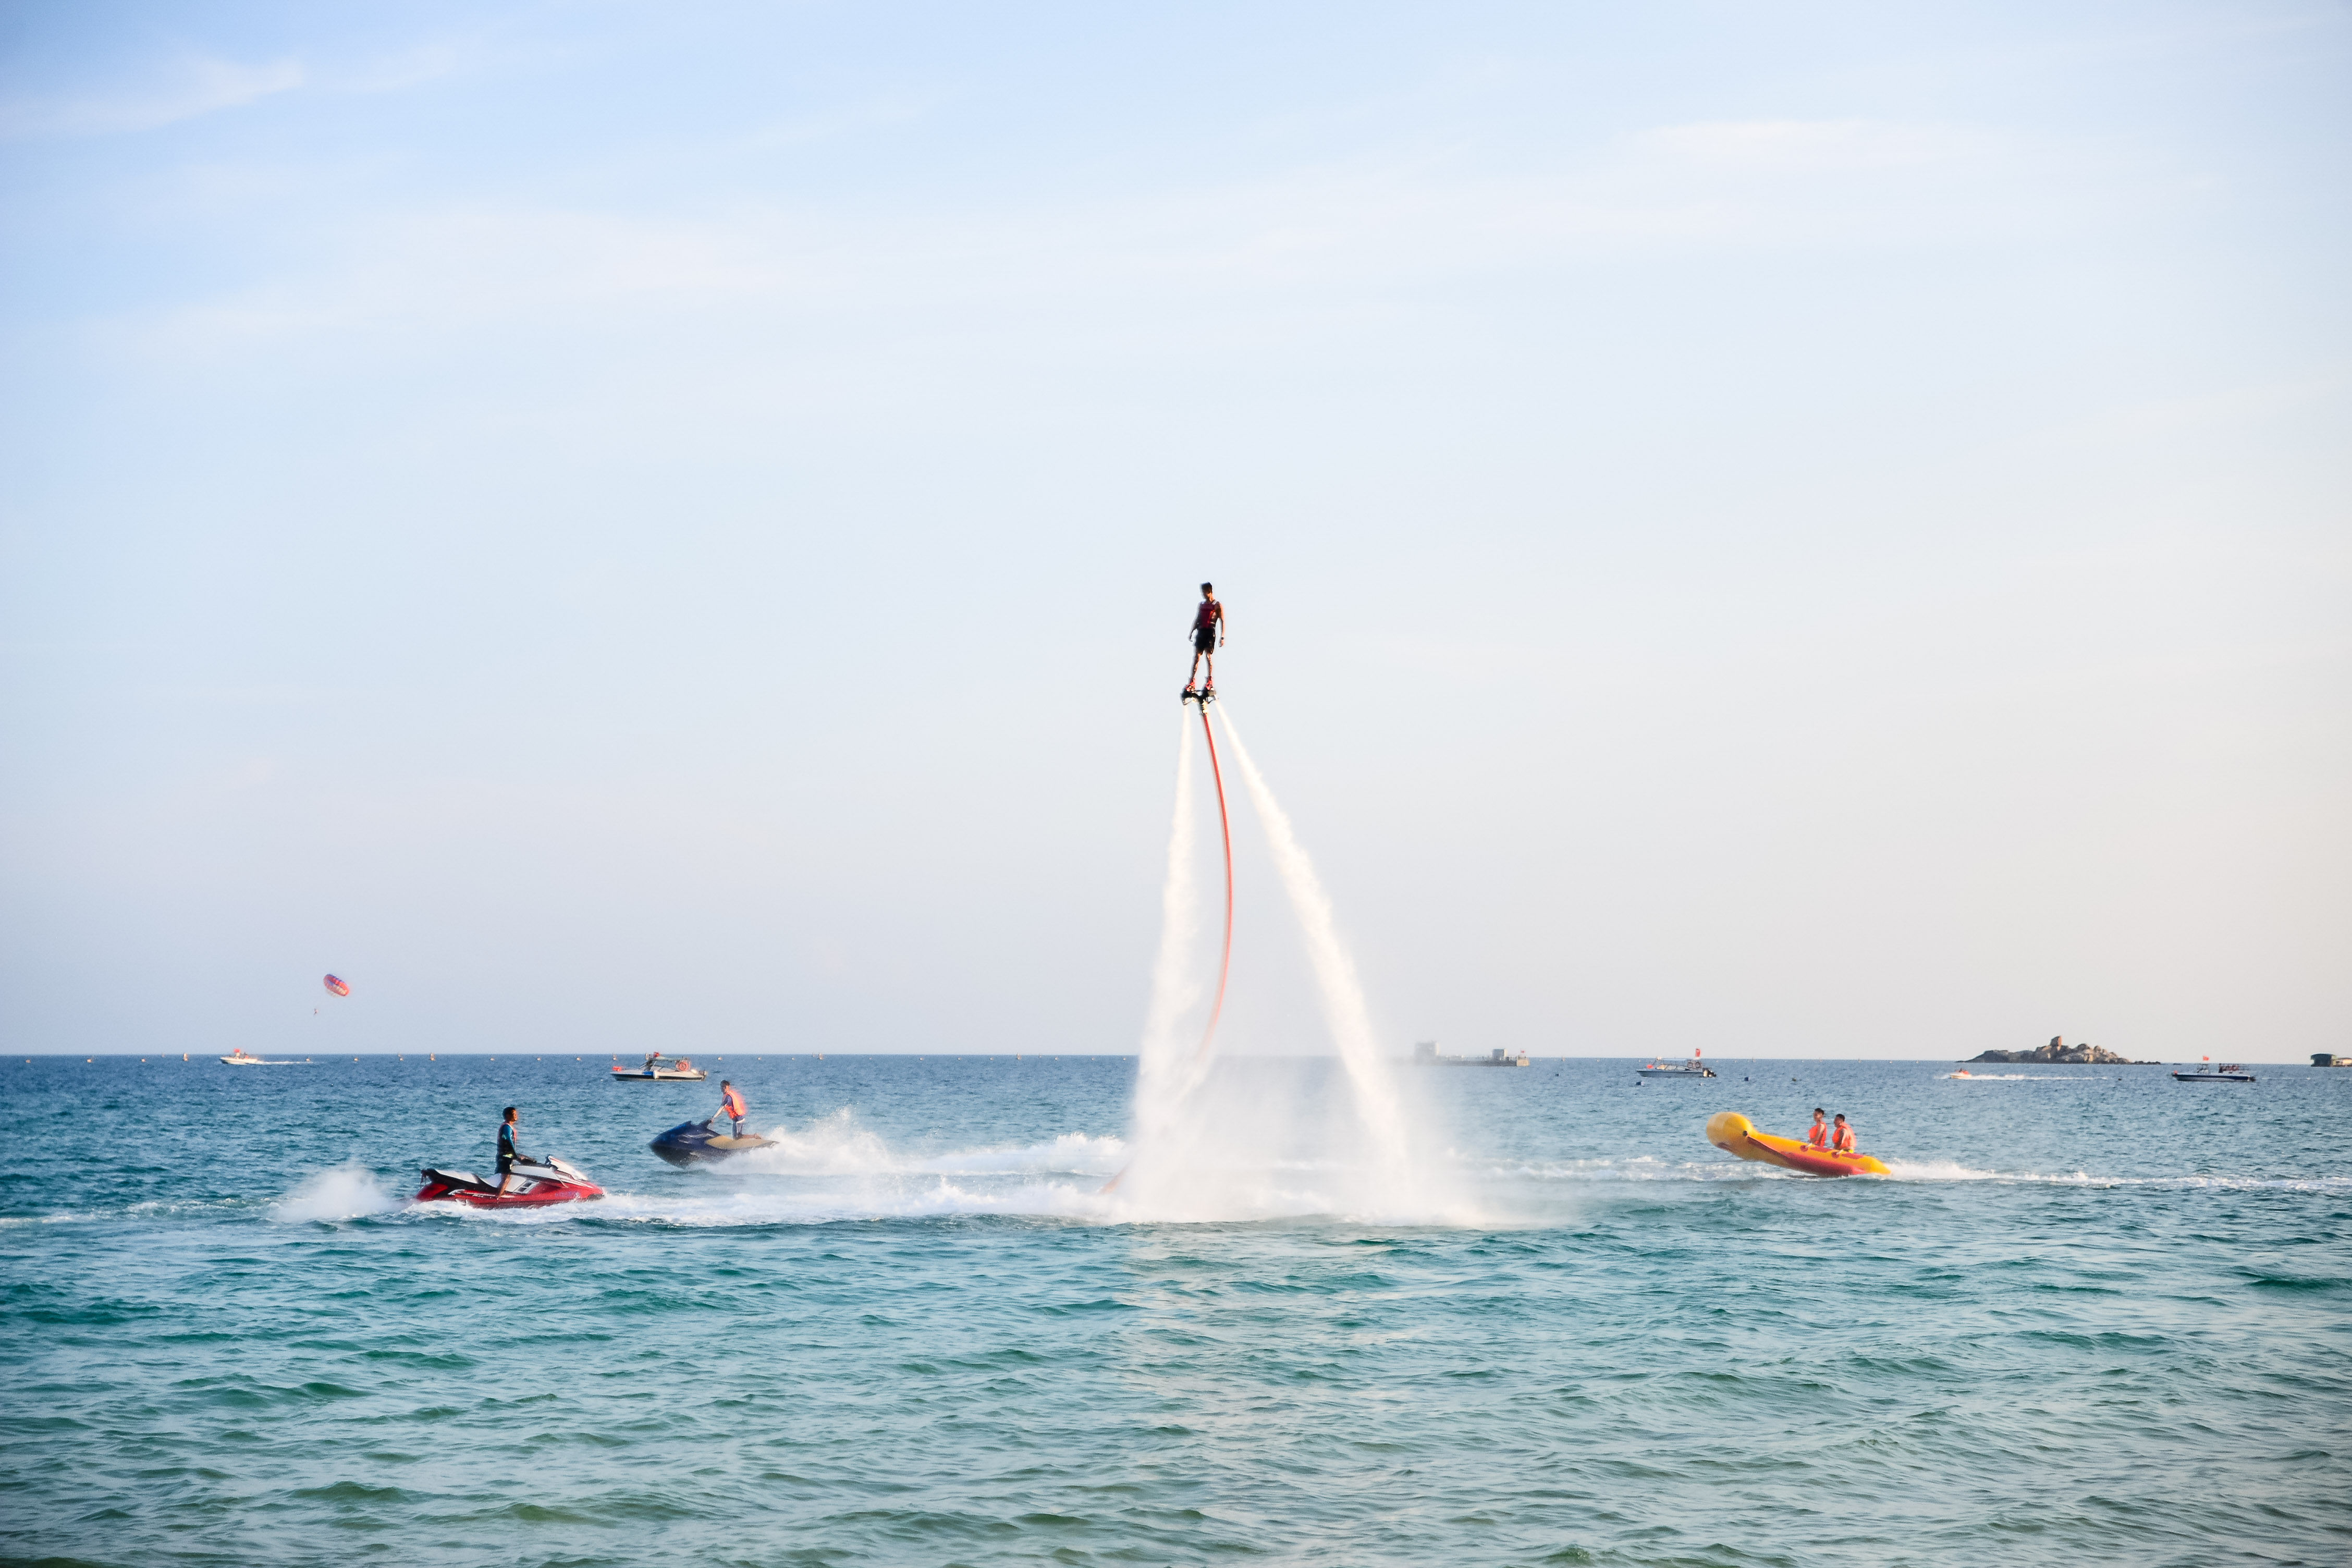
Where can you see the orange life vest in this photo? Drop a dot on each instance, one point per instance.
(1818, 1137)
(1843, 1143)
(732, 1104)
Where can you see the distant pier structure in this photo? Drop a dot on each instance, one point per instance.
(1425, 1054)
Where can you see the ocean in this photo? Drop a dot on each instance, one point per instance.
(2095, 1316)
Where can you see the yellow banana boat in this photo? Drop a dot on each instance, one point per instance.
(1735, 1134)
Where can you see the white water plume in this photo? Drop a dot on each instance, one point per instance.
(1245, 1138)
(1168, 1061)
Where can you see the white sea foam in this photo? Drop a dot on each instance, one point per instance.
(839, 1145)
(2024, 1077)
(346, 1192)
(835, 1168)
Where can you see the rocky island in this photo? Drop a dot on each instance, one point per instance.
(2059, 1051)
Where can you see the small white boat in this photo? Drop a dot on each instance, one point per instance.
(1691, 1068)
(241, 1058)
(659, 1069)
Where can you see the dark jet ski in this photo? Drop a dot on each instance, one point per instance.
(542, 1182)
(693, 1143)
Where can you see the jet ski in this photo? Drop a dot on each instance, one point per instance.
(694, 1143)
(543, 1182)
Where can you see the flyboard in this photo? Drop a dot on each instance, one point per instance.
(1203, 696)
(1735, 1134)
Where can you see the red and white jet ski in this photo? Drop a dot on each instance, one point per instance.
(543, 1182)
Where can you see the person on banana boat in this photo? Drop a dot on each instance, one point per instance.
(1818, 1135)
(1842, 1141)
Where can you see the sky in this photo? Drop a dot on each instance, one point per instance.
(1807, 530)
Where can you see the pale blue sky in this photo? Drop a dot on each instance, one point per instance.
(1798, 530)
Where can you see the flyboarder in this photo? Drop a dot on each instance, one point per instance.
(1208, 636)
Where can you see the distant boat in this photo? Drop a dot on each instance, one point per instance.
(659, 1069)
(1691, 1068)
(2228, 1072)
(241, 1058)
(1427, 1055)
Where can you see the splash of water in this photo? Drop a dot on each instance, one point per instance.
(347, 1192)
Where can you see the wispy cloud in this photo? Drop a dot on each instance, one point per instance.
(1808, 146)
(1285, 249)
(191, 86)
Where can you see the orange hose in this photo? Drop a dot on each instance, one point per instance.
(1225, 822)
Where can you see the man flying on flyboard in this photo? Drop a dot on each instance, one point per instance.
(1208, 636)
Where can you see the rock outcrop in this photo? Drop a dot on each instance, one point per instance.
(2059, 1051)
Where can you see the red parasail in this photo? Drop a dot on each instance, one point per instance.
(337, 986)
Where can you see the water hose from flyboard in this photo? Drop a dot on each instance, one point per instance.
(1226, 826)
(1226, 955)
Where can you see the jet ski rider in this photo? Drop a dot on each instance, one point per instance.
(731, 1105)
(509, 1155)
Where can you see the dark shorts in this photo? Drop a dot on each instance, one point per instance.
(1204, 640)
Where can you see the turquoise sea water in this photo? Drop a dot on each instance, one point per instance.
(2098, 1317)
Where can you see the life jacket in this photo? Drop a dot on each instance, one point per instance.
(1818, 1135)
(1843, 1143)
(1211, 612)
(731, 1102)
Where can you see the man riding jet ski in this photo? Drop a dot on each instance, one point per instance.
(693, 1143)
(544, 1178)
